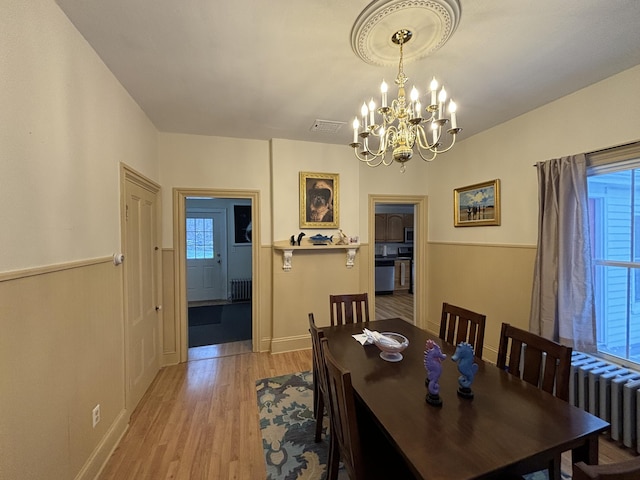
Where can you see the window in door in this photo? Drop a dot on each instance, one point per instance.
(199, 238)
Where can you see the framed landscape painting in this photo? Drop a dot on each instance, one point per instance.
(319, 200)
(477, 205)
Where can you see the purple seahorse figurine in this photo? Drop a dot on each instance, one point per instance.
(433, 358)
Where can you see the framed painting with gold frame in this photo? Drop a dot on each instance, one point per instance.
(477, 205)
(319, 195)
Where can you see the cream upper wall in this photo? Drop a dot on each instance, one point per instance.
(289, 158)
(203, 162)
(60, 147)
(389, 181)
(599, 116)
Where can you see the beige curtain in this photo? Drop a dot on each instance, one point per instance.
(562, 304)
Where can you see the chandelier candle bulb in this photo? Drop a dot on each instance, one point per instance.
(414, 95)
(372, 109)
(442, 97)
(434, 88)
(452, 110)
(364, 110)
(356, 126)
(383, 90)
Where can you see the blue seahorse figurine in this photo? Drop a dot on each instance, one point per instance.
(467, 368)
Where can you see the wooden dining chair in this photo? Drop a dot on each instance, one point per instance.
(458, 324)
(627, 470)
(546, 365)
(343, 413)
(367, 455)
(349, 308)
(321, 397)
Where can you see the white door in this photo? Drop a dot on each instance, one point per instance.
(141, 264)
(206, 255)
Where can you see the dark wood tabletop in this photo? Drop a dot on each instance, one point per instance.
(507, 424)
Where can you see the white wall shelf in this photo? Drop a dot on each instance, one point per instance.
(287, 251)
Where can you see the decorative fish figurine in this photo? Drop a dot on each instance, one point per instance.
(321, 239)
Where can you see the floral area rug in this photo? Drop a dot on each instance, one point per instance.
(287, 425)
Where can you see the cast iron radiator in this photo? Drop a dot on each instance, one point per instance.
(240, 289)
(609, 391)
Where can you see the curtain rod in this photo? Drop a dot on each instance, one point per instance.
(607, 149)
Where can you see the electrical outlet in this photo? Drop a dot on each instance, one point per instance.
(95, 414)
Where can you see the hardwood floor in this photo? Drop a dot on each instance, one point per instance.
(220, 350)
(400, 304)
(199, 420)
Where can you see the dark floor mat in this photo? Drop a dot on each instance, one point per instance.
(215, 324)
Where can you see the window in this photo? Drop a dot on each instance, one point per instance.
(614, 214)
(199, 238)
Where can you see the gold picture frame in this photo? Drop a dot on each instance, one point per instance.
(319, 195)
(477, 205)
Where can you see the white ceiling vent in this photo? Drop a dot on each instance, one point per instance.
(326, 126)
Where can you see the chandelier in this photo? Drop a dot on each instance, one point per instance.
(400, 129)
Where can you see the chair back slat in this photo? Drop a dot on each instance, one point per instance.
(458, 324)
(349, 308)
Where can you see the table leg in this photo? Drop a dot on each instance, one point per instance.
(588, 452)
(554, 467)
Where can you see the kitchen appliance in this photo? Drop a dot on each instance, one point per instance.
(408, 234)
(407, 252)
(385, 276)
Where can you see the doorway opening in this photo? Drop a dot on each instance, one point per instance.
(215, 256)
(218, 256)
(398, 230)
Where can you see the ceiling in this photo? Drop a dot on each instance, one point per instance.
(269, 69)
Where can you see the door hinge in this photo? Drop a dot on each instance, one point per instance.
(126, 213)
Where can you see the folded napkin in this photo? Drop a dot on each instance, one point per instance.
(362, 338)
(382, 339)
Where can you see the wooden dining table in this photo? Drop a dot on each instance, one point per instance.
(507, 427)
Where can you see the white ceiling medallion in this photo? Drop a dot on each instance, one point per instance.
(432, 22)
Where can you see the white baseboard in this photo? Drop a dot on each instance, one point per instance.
(98, 459)
(290, 344)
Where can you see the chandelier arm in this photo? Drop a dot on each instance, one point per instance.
(423, 142)
(435, 154)
(379, 152)
(453, 142)
(372, 162)
(365, 148)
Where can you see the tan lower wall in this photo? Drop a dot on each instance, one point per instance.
(61, 354)
(171, 335)
(492, 279)
(263, 325)
(305, 289)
